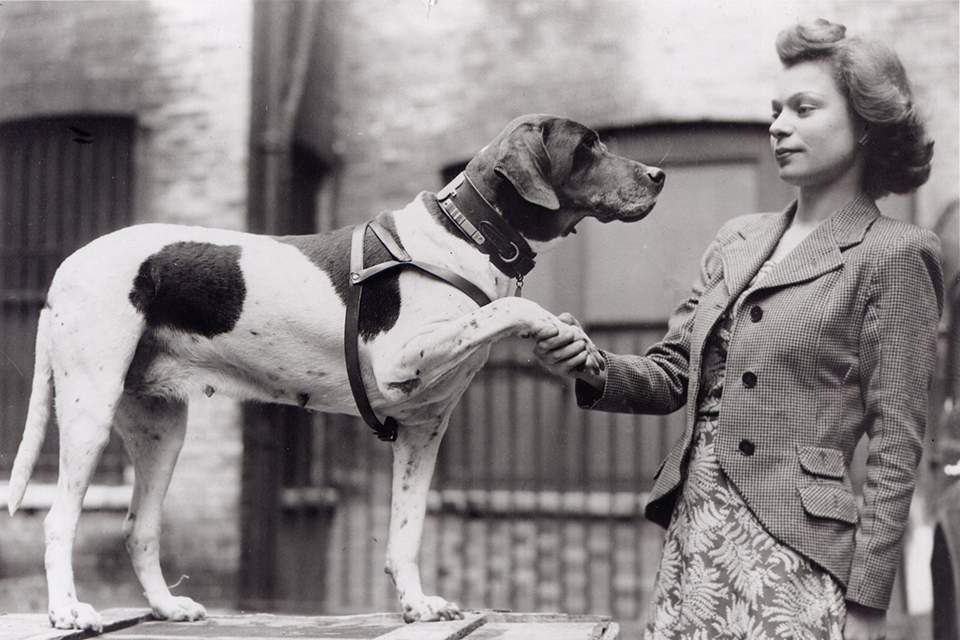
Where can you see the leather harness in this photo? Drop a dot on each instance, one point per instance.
(482, 224)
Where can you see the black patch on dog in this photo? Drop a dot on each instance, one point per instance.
(380, 303)
(192, 286)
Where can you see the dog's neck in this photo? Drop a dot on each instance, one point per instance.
(484, 226)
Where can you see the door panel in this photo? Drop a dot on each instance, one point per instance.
(63, 181)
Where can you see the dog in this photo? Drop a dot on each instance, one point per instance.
(146, 317)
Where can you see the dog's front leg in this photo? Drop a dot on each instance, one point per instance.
(439, 348)
(414, 456)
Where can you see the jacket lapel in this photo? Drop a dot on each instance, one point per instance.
(818, 253)
(821, 251)
(744, 255)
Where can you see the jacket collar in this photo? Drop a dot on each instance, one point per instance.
(818, 253)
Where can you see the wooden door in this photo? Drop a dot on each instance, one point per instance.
(63, 182)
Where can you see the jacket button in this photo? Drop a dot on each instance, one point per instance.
(756, 313)
(749, 379)
(747, 448)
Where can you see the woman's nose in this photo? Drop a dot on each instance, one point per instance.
(779, 128)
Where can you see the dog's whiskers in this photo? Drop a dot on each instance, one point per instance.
(666, 154)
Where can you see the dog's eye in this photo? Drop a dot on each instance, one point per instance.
(587, 146)
(583, 153)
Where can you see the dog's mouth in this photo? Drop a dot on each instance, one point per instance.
(638, 214)
(630, 214)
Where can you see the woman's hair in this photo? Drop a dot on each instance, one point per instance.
(897, 151)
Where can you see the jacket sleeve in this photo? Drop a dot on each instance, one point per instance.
(656, 382)
(897, 354)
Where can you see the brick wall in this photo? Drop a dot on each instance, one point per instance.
(183, 70)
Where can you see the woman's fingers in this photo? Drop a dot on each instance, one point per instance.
(567, 318)
(573, 364)
(561, 354)
(560, 341)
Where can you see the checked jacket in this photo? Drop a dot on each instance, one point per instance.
(837, 341)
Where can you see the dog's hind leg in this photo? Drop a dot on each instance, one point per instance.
(85, 412)
(153, 430)
(90, 354)
(414, 458)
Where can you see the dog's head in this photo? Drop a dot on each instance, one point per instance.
(548, 173)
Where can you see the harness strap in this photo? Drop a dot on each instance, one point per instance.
(386, 430)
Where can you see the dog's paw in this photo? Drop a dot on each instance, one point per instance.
(431, 608)
(76, 615)
(178, 609)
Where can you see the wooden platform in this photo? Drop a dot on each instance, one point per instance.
(137, 624)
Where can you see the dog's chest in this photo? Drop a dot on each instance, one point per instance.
(433, 403)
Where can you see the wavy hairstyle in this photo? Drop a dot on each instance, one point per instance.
(897, 151)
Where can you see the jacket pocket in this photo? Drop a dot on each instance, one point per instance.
(829, 500)
(822, 461)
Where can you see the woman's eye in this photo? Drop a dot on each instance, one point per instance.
(804, 110)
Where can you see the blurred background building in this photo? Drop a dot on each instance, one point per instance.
(294, 117)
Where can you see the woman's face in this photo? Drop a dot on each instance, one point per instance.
(814, 134)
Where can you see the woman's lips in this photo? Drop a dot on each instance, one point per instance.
(784, 153)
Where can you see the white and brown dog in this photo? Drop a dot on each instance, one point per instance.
(141, 319)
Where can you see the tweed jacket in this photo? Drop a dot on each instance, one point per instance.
(836, 341)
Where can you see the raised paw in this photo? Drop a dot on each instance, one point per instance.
(178, 609)
(431, 608)
(76, 615)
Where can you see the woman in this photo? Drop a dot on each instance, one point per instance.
(804, 330)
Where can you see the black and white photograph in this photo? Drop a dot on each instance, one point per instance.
(476, 319)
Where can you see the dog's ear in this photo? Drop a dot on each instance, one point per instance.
(523, 160)
(563, 138)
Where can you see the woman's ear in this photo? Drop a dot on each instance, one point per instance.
(523, 160)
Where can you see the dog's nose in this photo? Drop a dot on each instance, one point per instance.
(657, 176)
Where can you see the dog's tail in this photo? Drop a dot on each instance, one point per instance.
(38, 413)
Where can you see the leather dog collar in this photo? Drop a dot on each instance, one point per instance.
(482, 224)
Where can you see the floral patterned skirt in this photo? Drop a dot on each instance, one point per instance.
(722, 575)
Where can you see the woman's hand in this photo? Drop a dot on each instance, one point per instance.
(570, 352)
(864, 623)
